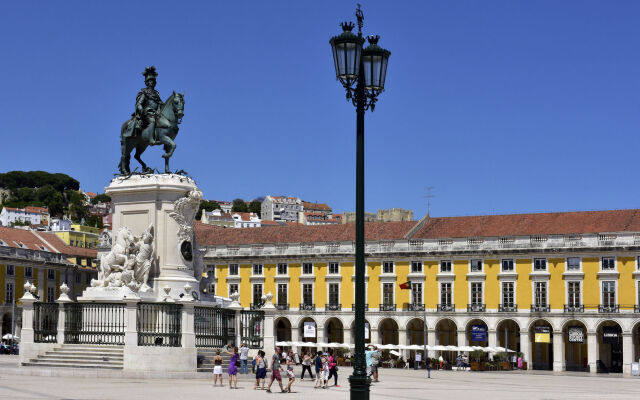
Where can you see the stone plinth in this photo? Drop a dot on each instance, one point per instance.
(143, 200)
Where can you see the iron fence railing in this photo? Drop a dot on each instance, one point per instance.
(387, 307)
(446, 307)
(507, 308)
(476, 307)
(214, 327)
(307, 307)
(614, 308)
(574, 308)
(540, 308)
(159, 324)
(45, 322)
(94, 323)
(366, 307)
(332, 307)
(252, 328)
(282, 307)
(415, 307)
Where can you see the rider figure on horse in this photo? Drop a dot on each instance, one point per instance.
(148, 104)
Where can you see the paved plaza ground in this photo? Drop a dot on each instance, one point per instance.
(395, 384)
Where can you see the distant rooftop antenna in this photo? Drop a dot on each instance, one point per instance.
(429, 196)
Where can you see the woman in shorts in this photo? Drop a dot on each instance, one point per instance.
(217, 368)
(290, 363)
(232, 370)
(261, 369)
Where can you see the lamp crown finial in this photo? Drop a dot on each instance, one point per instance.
(373, 40)
(347, 26)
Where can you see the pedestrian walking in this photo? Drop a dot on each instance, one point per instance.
(318, 364)
(306, 365)
(275, 370)
(290, 363)
(325, 373)
(232, 370)
(375, 363)
(367, 357)
(429, 369)
(261, 371)
(244, 356)
(217, 368)
(333, 368)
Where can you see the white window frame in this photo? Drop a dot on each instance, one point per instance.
(440, 292)
(286, 267)
(421, 300)
(6, 291)
(471, 283)
(566, 296)
(12, 268)
(615, 264)
(28, 269)
(515, 297)
(49, 275)
(51, 294)
(313, 293)
(339, 292)
(305, 273)
(450, 271)
(411, 271)
(615, 288)
(211, 270)
(546, 264)
(237, 268)
(253, 291)
(229, 292)
(481, 271)
(253, 269)
(533, 291)
(393, 291)
(329, 268)
(393, 267)
(278, 292)
(513, 265)
(579, 264)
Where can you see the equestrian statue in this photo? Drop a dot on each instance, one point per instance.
(152, 123)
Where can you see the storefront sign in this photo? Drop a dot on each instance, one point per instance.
(478, 333)
(542, 334)
(610, 335)
(366, 331)
(310, 329)
(576, 334)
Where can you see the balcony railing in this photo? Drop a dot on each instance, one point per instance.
(415, 307)
(446, 307)
(333, 307)
(609, 309)
(507, 308)
(476, 307)
(636, 309)
(540, 308)
(574, 308)
(282, 307)
(387, 307)
(256, 306)
(366, 307)
(307, 307)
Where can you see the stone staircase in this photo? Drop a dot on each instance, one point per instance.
(206, 357)
(81, 356)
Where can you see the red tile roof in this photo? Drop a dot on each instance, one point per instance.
(433, 228)
(42, 241)
(64, 248)
(531, 224)
(37, 210)
(295, 233)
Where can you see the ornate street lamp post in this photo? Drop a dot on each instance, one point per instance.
(367, 69)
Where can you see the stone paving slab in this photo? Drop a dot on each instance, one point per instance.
(395, 384)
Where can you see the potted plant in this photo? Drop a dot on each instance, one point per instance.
(505, 365)
(476, 356)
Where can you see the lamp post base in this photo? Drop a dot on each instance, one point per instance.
(359, 387)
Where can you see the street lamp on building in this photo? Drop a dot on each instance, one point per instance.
(366, 69)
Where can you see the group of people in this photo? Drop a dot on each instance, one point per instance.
(280, 364)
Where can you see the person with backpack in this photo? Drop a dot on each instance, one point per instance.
(261, 372)
(318, 364)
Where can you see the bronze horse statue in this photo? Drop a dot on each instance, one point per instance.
(167, 121)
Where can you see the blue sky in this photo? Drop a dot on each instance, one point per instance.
(502, 106)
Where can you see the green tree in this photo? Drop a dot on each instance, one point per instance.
(101, 198)
(207, 206)
(255, 207)
(239, 205)
(77, 208)
(94, 220)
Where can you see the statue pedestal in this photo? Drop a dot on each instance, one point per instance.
(143, 200)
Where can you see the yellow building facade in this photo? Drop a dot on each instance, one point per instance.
(563, 289)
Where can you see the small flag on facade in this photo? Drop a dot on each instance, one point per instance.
(406, 285)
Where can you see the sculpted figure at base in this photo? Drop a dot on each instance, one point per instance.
(129, 261)
(152, 123)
